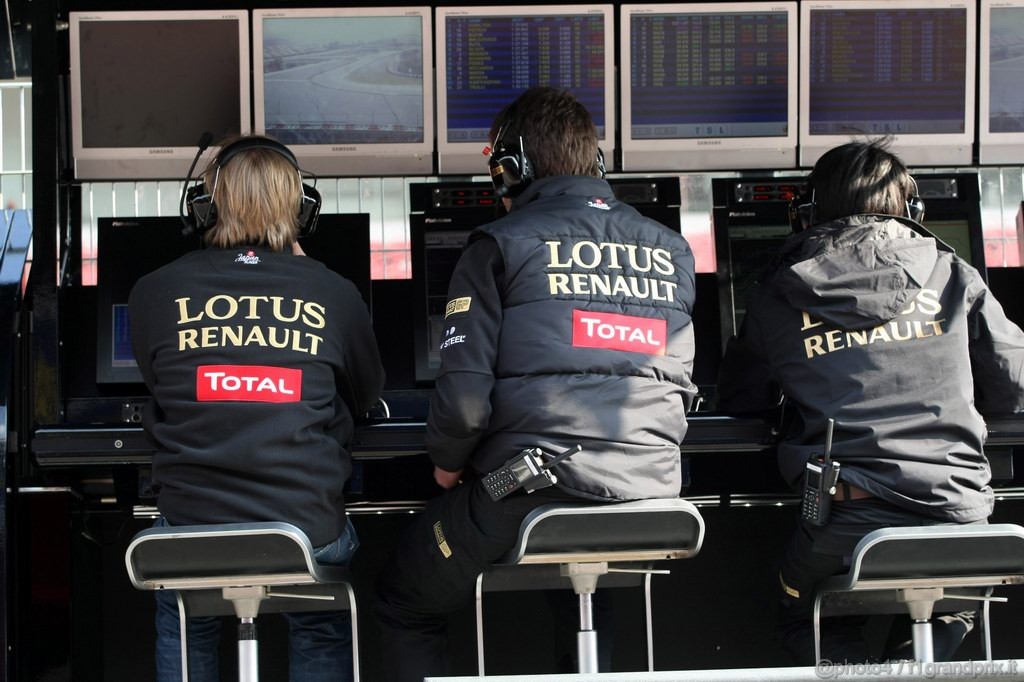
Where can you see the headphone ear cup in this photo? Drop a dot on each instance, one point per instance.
(915, 209)
(202, 213)
(801, 212)
(309, 210)
(511, 169)
(505, 173)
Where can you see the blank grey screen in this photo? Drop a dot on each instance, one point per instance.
(158, 83)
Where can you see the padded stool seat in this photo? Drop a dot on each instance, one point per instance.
(574, 545)
(239, 569)
(910, 570)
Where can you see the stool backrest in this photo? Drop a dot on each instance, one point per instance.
(200, 555)
(985, 552)
(643, 530)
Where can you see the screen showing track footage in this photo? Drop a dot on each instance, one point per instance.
(490, 60)
(709, 75)
(343, 80)
(1006, 70)
(882, 71)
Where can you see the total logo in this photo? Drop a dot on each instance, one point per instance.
(248, 383)
(598, 202)
(618, 332)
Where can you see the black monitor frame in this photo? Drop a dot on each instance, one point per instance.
(129, 248)
(764, 202)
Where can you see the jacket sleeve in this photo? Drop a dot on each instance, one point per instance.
(460, 408)
(363, 378)
(997, 357)
(745, 381)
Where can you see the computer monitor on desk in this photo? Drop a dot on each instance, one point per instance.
(751, 222)
(132, 247)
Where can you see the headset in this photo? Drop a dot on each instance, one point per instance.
(510, 167)
(202, 211)
(802, 206)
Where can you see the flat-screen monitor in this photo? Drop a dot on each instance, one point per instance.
(129, 248)
(709, 86)
(146, 86)
(902, 68)
(1001, 82)
(487, 56)
(347, 89)
(751, 223)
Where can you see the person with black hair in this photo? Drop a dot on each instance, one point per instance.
(258, 360)
(867, 320)
(568, 323)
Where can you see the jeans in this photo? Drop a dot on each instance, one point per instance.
(319, 643)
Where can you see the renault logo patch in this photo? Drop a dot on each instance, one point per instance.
(457, 305)
(441, 542)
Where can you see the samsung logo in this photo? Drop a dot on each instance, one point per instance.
(161, 151)
(708, 143)
(343, 149)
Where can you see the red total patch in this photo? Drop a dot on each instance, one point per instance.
(248, 383)
(619, 332)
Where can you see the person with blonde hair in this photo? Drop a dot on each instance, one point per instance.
(258, 360)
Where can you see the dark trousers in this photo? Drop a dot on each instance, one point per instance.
(434, 570)
(815, 553)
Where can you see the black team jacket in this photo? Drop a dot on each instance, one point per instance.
(867, 321)
(257, 362)
(568, 322)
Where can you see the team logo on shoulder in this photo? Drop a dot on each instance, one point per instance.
(598, 202)
(457, 305)
(451, 338)
(248, 258)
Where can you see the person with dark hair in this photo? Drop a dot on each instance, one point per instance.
(258, 360)
(867, 320)
(568, 323)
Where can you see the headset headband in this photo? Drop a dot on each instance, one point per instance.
(202, 210)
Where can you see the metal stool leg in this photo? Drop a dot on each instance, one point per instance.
(923, 649)
(183, 635)
(586, 638)
(248, 651)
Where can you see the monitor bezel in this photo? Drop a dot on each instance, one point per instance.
(145, 163)
(354, 160)
(993, 147)
(466, 158)
(931, 149)
(707, 153)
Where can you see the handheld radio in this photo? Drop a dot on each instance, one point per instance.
(527, 470)
(820, 479)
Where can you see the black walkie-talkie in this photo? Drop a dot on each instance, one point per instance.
(820, 479)
(527, 470)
